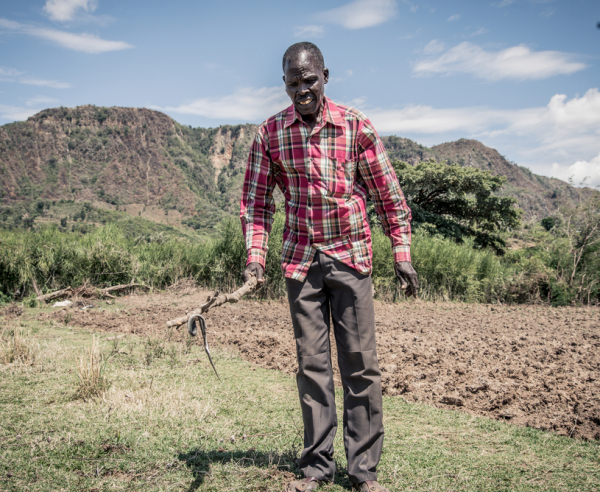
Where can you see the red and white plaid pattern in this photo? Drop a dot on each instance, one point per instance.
(325, 175)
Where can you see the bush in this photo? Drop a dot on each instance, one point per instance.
(111, 255)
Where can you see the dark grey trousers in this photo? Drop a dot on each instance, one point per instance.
(332, 287)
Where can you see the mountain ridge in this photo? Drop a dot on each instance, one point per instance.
(139, 158)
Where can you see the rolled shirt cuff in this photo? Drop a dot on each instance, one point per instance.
(401, 253)
(257, 255)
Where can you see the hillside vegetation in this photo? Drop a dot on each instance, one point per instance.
(556, 263)
(148, 164)
(124, 156)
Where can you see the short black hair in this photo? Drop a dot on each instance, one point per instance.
(298, 48)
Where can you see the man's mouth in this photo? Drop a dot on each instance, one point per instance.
(305, 102)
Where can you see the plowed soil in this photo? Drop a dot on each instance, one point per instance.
(530, 365)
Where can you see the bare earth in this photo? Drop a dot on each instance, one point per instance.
(530, 365)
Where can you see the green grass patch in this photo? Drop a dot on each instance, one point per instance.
(166, 423)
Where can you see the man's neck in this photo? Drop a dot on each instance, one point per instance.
(312, 119)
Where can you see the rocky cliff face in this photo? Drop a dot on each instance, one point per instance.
(119, 156)
(138, 158)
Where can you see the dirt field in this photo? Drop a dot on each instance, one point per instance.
(533, 366)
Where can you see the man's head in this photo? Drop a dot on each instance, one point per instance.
(305, 77)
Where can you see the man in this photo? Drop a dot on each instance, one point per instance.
(326, 159)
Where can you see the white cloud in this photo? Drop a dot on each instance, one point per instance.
(480, 31)
(518, 62)
(412, 7)
(87, 43)
(41, 101)
(360, 14)
(586, 172)
(311, 31)
(13, 113)
(245, 104)
(53, 84)
(9, 74)
(565, 132)
(8, 24)
(434, 47)
(64, 10)
(454, 17)
(503, 3)
(429, 120)
(567, 118)
(13, 75)
(578, 112)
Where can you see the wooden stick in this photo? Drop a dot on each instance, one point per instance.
(54, 295)
(216, 300)
(122, 287)
(38, 292)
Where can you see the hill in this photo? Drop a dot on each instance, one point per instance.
(144, 163)
(137, 159)
(539, 196)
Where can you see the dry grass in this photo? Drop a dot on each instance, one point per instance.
(172, 426)
(16, 347)
(90, 368)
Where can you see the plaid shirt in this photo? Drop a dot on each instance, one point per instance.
(325, 176)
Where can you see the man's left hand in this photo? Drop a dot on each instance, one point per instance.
(409, 281)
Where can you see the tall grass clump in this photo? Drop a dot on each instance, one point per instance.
(90, 369)
(108, 257)
(447, 271)
(16, 347)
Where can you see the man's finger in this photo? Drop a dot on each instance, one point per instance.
(414, 287)
(403, 282)
(414, 281)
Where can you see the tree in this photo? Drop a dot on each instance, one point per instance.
(549, 223)
(582, 229)
(458, 202)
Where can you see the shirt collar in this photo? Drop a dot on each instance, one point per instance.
(331, 113)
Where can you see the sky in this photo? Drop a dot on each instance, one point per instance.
(521, 76)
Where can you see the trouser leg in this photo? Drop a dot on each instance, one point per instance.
(309, 307)
(353, 317)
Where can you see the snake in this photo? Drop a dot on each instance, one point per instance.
(192, 330)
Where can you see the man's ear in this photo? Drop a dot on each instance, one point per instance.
(325, 75)
(283, 77)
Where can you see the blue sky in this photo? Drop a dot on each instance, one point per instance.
(521, 76)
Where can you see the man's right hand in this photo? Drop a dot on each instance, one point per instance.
(256, 269)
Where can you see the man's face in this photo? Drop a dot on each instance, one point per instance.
(305, 83)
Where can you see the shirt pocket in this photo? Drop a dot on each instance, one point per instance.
(343, 174)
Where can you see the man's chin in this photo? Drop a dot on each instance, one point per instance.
(308, 109)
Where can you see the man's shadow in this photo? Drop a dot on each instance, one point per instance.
(281, 466)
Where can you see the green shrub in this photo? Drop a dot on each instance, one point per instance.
(116, 253)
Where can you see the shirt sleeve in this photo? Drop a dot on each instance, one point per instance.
(257, 205)
(384, 189)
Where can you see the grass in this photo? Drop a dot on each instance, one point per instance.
(91, 368)
(16, 346)
(170, 425)
(107, 256)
